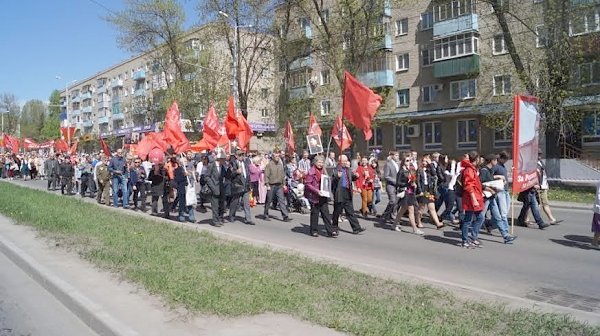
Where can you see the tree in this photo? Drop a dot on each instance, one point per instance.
(51, 128)
(32, 119)
(9, 102)
(252, 20)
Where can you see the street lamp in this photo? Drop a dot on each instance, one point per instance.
(3, 111)
(235, 57)
(67, 108)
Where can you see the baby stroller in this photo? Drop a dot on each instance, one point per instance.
(295, 195)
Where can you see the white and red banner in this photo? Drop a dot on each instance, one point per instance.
(526, 124)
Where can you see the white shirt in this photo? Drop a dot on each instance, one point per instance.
(243, 167)
(396, 165)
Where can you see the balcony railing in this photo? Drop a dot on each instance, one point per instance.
(87, 109)
(86, 95)
(299, 92)
(118, 116)
(302, 63)
(456, 67)
(117, 83)
(75, 113)
(140, 92)
(139, 75)
(460, 25)
(103, 120)
(87, 123)
(375, 79)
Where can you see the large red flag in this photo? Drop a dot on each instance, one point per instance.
(245, 133)
(105, 148)
(210, 128)
(67, 132)
(73, 148)
(172, 130)
(340, 134)
(61, 146)
(201, 145)
(149, 142)
(288, 135)
(11, 143)
(223, 140)
(30, 144)
(232, 124)
(360, 104)
(313, 126)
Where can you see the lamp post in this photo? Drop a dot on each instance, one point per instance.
(235, 58)
(67, 107)
(3, 111)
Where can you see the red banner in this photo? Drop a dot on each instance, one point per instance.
(30, 144)
(526, 124)
(47, 144)
(67, 132)
(11, 143)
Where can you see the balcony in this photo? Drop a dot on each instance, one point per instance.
(139, 75)
(103, 104)
(101, 89)
(116, 108)
(87, 95)
(117, 83)
(76, 99)
(300, 92)
(386, 42)
(75, 113)
(575, 3)
(304, 62)
(140, 92)
(463, 66)
(460, 25)
(87, 123)
(387, 8)
(375, 79)
(118, 116)
(103, 120)
(87, 109)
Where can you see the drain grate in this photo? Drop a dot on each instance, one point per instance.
(565, 299)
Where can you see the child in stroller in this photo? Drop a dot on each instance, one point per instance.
(296, 200)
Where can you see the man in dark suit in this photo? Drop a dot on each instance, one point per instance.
(215, 179)
(342, 194)
(240, 186)
(390, 171)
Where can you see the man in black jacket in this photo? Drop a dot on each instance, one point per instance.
(51, 169)
(66, 172)
(240, 186)
(342, 194)
(215, 179)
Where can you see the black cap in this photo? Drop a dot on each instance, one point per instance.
(491, 157)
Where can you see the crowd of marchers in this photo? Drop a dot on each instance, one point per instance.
(471, 192)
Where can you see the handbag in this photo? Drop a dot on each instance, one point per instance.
(190, 196)
(401, 194)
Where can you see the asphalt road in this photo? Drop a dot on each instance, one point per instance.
(554, 265)
(26, 308)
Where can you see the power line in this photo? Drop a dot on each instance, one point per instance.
(104, 7)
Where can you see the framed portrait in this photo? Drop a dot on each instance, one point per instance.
(315, 146)
(326, 185)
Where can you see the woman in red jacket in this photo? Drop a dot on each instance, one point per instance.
(472, 199)
(364, 183)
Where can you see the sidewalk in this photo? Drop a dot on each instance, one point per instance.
(110, 306)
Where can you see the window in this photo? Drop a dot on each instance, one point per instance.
(455, 46)
(453, 9)
(264, 93)
(297, 79)
(588, 73)
(502, 85)
(461, 90)
(541, 36)
(401, 137)
(325, 79)
(591, 127)
(498, 45)
(503, 137)
(264, 113)
(377, 138)
(426, 57)
(426, 20)
(402, 62)
(375, 64)
(402, 27)
(403, 98)
(585, 21)
(432, 134)
(325, 107)
(467, 132)
(428, 93)
(324, 16)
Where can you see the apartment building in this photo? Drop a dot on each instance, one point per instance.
(115, 102)
(446, 75)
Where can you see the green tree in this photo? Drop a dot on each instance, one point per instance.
(51, 128)
(32, 119)
(9, 102)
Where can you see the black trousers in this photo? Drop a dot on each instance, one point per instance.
(85, 183)
(320, 208)
(139, 195)
(345, 204)
(66, 182)
(53, 181)
(217, 205)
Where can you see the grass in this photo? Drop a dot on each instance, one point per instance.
(585, 195)
(213, 276)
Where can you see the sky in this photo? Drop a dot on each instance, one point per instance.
(42, 39)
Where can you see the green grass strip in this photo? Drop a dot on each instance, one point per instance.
(214, 276)
(585, 195)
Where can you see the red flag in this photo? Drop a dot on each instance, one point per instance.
(67, 132)
(340, 134)
(73, 148)
(313, 126)
(172, 130)
(360, 104)
(149, 142)
(232, 125)
(11, 143)
(288, 135)
(201, 145)
(47, 144)
(210, 128)
(105, 148)
(30, 144)
(245, 133)
(61, 146)
(223, 140)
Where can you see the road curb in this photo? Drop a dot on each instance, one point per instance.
(569, 206)
(89, 312)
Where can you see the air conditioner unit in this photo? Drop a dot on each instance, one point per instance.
(412, 131)
(438, 87)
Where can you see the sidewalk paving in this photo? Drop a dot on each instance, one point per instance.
(110, 306)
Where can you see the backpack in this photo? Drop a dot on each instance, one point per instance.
(459, 185)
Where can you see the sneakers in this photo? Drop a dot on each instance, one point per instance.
(466, 245)
(419, 232)
(397, 228)
(509, 239)
(543, 226)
